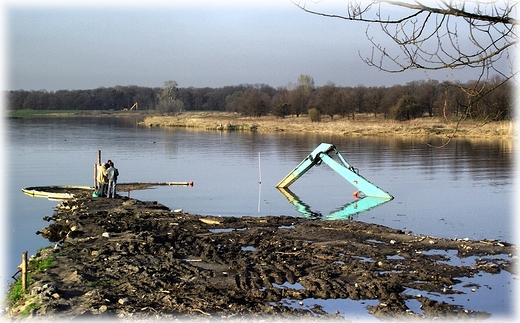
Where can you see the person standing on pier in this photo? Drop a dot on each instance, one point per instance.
(112, 174)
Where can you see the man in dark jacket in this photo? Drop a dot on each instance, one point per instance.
(112, 174)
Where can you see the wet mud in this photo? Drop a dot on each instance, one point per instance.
(128, 259)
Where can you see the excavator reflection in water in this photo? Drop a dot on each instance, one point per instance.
(367, 195)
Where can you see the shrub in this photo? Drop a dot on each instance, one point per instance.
(406, 108)
(282, 110)
(314, 115)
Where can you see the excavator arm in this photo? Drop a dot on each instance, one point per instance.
(321, 154)
(367, 195)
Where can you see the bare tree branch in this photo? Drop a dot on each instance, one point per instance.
(450, 35)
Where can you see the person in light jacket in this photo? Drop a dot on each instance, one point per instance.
(112, 174)
(102, 179)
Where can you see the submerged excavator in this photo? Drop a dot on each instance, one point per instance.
(366, 197)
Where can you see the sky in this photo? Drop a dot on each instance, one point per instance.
(53, 45)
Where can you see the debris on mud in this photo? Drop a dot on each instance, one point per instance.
(129, 259)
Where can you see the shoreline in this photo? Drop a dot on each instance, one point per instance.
(364, 125)
(130, 259)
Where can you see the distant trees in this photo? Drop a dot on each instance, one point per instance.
(252, 101)
(113, 98)
(281, 103)
(406, 108)
(168, 101)
(374, 101)
(326, 99)
(401, 102)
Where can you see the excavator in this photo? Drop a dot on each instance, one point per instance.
(135, 106)
(366, 197)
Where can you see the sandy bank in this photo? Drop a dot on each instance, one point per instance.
(363, 125)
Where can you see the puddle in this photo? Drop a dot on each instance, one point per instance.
(364, 259)
(286, 227)
(347, 308)
(414, 305)
(389, 272)
(451, 258)
(475, 293)
(296, 286)
(248, 248)
(225, 230)
(220, 230)
(395, 257)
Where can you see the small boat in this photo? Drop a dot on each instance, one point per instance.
(63, 192)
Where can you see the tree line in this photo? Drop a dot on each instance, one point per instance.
(401, 102)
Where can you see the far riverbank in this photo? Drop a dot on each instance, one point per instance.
(363, 125)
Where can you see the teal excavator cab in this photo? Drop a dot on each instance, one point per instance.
(367, 195)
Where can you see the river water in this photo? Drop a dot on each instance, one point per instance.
(464, 190)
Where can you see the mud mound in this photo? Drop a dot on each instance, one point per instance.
(130, 259)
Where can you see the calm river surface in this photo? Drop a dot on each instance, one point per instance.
(463, 190)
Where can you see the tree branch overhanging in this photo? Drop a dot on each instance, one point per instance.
(450, 35)
(356, 11)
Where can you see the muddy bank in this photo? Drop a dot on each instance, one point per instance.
(128, 259)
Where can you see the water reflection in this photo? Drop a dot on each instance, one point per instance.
(346, 212)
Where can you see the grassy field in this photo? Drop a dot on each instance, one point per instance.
(363, 125)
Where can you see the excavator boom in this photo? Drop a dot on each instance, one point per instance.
(367, 195)
(321, 154)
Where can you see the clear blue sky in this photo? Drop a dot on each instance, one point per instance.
(51, 45)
